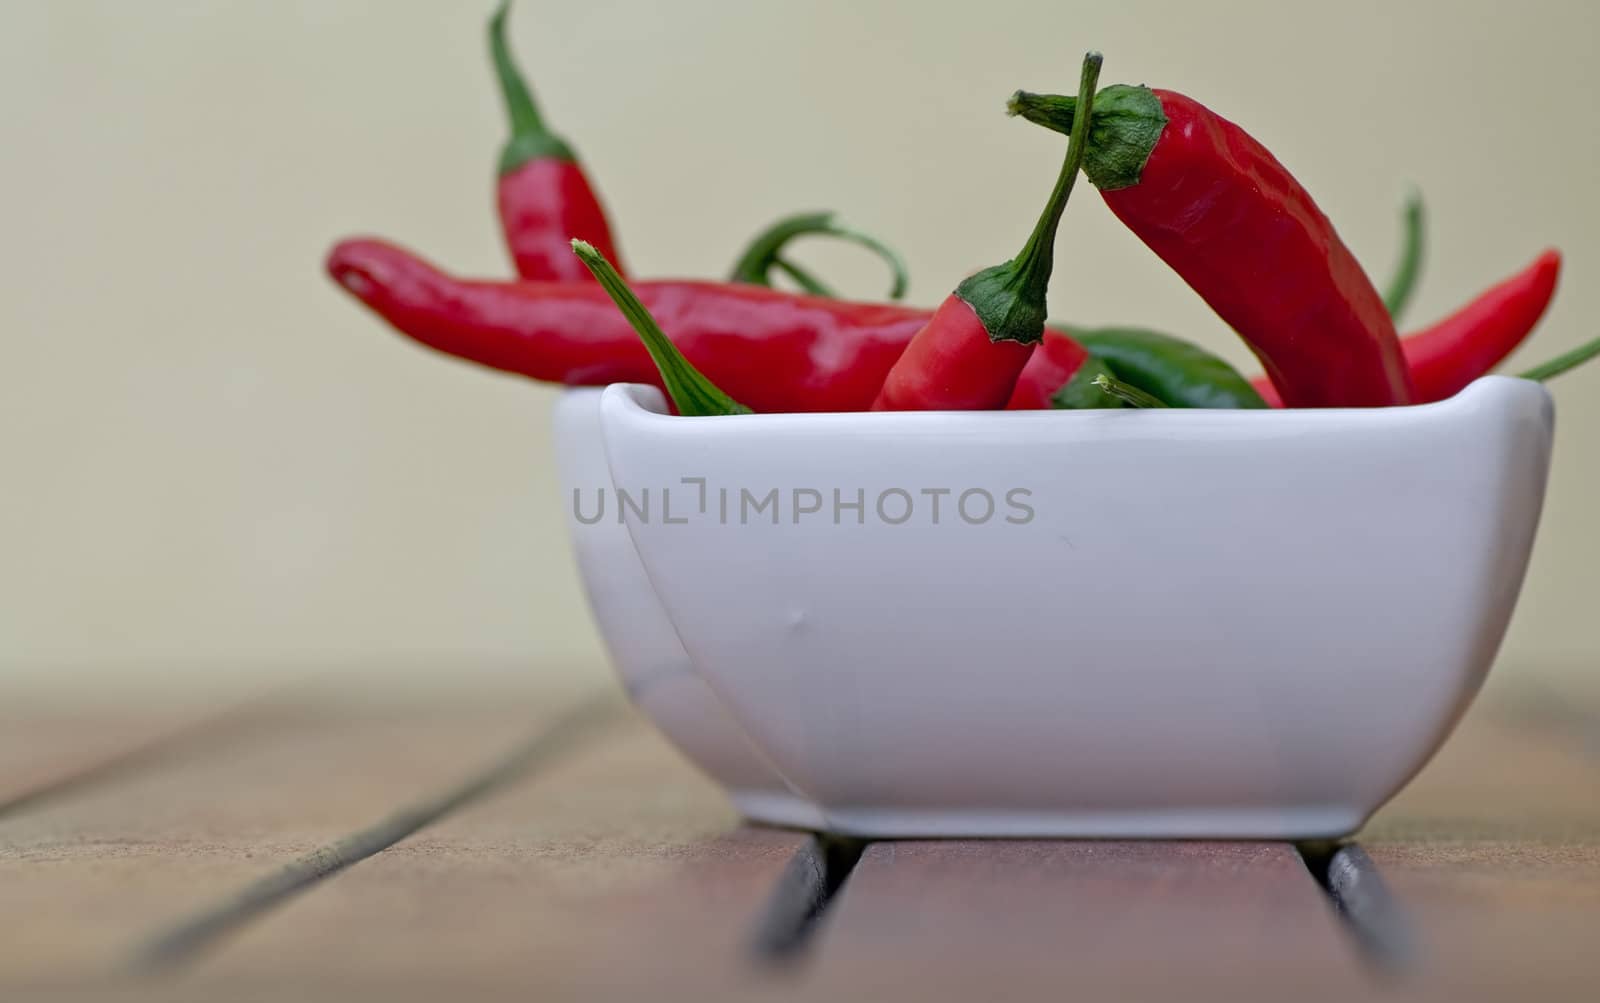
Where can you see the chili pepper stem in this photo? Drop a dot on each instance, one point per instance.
(763, 254)
(1010, 299)
(803, 278)
(1563, 362)
(1126, 123)
(1397, 295)
(691, 392)
(1127, 392)
(530, 139)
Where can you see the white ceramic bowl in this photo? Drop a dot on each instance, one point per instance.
(643, 645)
(1122, 623)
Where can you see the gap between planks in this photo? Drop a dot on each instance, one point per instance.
(1359, 896)
(804, 898)
(1373, 919)
(809, 885)
(186, 939)
(620, 873)
(163, 742)
(1354, 890)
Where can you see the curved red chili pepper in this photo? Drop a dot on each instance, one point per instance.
(972, 350)
(544, 197)
(772, 350)
(1185, 374)
(1443, 358)
(1218, 208)
(1221, 210)
(1446, 356)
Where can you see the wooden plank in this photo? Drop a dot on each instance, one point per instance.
(1501, 776)
(1035, 920)
(87, 879)
(622, 873)
(1494, 854)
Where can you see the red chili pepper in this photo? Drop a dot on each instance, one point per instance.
(1218, 207)
(1469, 343)
(1053, 365)
(1178, 372)
(772, 350)
(544, 196)
(970, 353)
(955, 363)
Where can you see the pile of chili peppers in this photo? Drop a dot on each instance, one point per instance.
(1209, 199)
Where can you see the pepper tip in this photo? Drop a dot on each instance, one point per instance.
(353, 264)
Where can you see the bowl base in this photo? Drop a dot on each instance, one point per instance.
(1285, 823)
(778, 808)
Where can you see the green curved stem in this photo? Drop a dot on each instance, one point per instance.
(758, 255)
(804, 279)
(761, 255)
(1127, 124)
(1404, 280)
(530, 139)
(1563, 362)
(1009, 299)
(1127, 392)
(691, 392)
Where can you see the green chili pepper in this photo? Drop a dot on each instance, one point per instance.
(1174, 371)
(1081, 392)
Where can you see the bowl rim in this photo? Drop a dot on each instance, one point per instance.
(649, 401)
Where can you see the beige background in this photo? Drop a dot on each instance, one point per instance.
(215, 464)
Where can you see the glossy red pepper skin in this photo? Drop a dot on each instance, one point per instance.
(773, 351)
(545, 198)
(974, 347)
(1218, 208)
(1446, 356)
(937, 370)
(544, 203)
(1055, 362)
(1450, 354)
(1469, 343)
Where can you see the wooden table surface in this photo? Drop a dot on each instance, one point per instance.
(547, 844)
